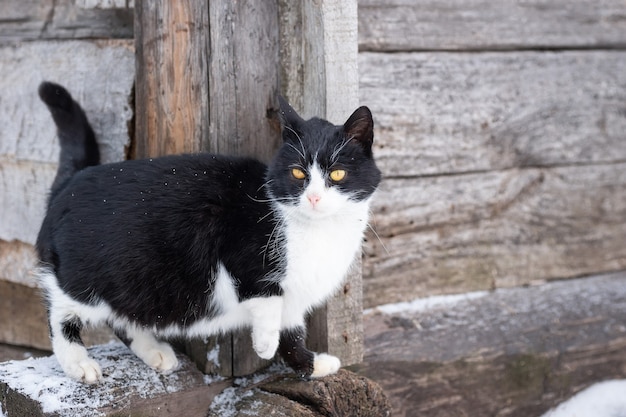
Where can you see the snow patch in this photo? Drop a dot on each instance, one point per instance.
(225, 404)
(427, 303)
(213, 356)
(43, 380)
(605, 399)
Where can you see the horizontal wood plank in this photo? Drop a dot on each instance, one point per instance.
(28, 325)
(28, 20)
(460, 233)
(514, 352)
(441, 113)
(411, 25)
(28, 144)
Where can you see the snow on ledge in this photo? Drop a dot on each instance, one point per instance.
(43, 381)
(427, 303)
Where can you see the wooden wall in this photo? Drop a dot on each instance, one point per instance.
(501, 132)
(89, 50)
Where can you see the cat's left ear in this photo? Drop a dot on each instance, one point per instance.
(360, 128)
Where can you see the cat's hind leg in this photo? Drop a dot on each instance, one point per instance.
(70, 351)
(156, 354)
(66, 322)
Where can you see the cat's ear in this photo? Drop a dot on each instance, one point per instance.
(290, 120)
(360, 128)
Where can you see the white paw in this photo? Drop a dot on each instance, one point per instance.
(157, 355)
(75, 361)
(265, 344)
(161, 358)
(86, 370)
(325, 364)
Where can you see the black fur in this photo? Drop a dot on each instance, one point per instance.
(293, 350)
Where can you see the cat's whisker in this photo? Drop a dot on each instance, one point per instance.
(369, 226)
(299, 140)
(338, 149)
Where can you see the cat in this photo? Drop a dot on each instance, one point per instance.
(199, 244)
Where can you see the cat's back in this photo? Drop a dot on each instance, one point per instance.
(165, 199)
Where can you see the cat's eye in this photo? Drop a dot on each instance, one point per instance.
(337, 174)
(298, 174)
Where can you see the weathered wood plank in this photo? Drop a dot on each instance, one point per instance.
(243, 79)
(197, 91)
(28, 143)
(171, 68)
(129, 387)
(447, 112)
(460, 233)
(28, 20)
(405, 25)
(514, 352)
(28, 323)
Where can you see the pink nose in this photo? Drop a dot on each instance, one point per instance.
(314, 199)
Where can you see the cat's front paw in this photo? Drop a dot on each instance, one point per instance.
(265, 344)
(325, 364)
(162, 360)
(86, 370)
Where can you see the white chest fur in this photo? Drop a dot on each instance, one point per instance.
(319, 255)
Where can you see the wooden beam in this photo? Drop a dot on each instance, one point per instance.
(171, 91)
(512, 352)
(399, 25)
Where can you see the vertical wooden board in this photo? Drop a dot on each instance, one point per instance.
(319, 60)
(171, 93)
(243, 79)
(243, 85)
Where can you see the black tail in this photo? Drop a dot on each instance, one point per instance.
(79, 148)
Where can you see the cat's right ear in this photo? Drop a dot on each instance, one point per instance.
(290, 121)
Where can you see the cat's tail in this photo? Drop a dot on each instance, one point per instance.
(79, 148)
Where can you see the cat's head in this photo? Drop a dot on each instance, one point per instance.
(322, 169)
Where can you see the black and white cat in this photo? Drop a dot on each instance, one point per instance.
(194, 245)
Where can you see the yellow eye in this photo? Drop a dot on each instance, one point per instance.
(337, 175)
(298, 173)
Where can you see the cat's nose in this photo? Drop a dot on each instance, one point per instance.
(314, 199)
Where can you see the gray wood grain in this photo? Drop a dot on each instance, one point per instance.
(28, 144)
(442, 113)
(457, 233)
(514, 352)
(418, 25)
(27, 20)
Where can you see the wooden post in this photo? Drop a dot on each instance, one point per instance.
(207, 80)
(319, 52)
